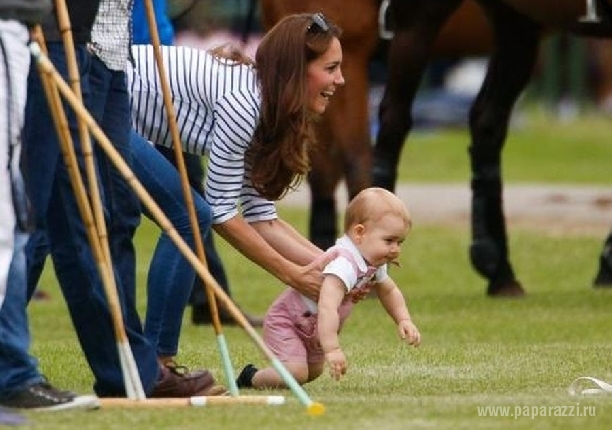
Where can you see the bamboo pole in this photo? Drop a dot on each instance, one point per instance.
(128, 365)
(180, 162)
(117, 402)
(131, 377)
(313, 408)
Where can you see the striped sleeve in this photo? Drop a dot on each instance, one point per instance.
(227, 184)
(186, 70)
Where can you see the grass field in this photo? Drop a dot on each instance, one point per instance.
(476, 352)
(538, 149)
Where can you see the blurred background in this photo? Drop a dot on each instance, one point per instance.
(573, 75)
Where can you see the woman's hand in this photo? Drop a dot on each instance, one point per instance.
(363, 292)
(310, 277)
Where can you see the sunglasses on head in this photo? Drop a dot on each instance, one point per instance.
(319, 24)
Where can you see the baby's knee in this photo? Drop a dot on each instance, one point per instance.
(315, 370)
(299, 372)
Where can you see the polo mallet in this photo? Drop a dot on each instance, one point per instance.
(194, 401)
(591, 15)
(133, 384)
(180, 162)
(313, 408)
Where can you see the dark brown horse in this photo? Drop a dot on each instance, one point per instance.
(425, 29)
(344, 131)
(518, 26)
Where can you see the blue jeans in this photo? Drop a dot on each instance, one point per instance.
(21, 369)
(171, 276)
(195, 173)
(18, 369)
(49, 188)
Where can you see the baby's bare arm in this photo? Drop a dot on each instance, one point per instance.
(328, 322)
(394, 303)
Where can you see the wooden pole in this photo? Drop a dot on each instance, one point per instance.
(314, 408)
(191, 401)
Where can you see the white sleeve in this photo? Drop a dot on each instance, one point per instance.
(344, 270)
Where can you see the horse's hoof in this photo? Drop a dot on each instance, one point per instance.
(511, 289)
(604, 276)
(603, 280)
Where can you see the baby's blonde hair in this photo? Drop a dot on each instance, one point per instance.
(373, 203)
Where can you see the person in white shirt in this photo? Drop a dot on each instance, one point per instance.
(302, 333)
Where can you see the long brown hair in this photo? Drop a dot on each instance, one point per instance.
(278, 156)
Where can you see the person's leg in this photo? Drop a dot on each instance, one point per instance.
(170, 273)
(21, 384)
(195, 175)
(315, 370)
(37, 250)
(286, 327)
(17, 367)
(269, 378)
(110, 104)
(200, 309)
(75, 266)
(28, 389)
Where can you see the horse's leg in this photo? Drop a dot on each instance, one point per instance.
(417, 24)
(604, 275)
(510, 67)
(323, 179)
(353, 134)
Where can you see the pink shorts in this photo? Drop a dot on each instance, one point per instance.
(290, 329)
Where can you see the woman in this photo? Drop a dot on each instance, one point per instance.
(254, 121)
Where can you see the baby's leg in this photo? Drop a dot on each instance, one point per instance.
(270, 378)
(315, 370)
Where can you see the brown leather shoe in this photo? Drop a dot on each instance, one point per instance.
(177, 381)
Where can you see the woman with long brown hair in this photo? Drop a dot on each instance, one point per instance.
(254, 121)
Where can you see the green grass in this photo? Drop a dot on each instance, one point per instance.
(539, 148)
(476, 351)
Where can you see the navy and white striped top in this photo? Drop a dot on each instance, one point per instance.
(217, 107)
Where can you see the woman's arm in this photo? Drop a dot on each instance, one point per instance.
(294, 263)
(287, 241)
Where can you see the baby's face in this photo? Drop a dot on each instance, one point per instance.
(381, 241)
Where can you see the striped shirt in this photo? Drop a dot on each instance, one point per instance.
(217, 106)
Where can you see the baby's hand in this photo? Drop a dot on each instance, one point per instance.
(336, 362)
(363, 292)
(409, 332)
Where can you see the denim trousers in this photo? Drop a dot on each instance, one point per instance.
(171, 276)
(55, 208)
(195, 174)
(18, 369)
